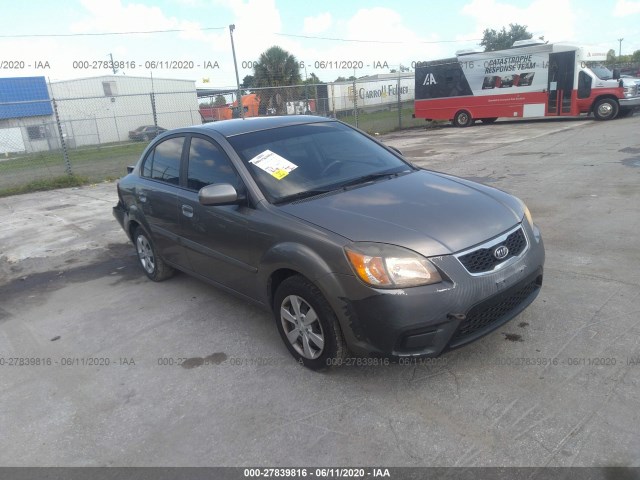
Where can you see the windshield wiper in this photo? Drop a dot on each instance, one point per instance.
(303, 194)
(356, 181)
(371, 177)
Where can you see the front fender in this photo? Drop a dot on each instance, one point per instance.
(293, 256)
(301, 259)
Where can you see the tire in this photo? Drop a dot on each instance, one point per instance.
(462, 119)
(489, 120)
(321, 344)
(151, 263)
(605, 109)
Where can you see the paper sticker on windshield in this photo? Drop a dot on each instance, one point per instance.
(272, 163)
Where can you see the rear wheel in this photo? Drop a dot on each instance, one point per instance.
(605, 109)
(489, 120)
(153, 266)
(307, 324)
(462, 119)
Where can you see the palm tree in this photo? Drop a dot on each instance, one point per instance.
(275, 70)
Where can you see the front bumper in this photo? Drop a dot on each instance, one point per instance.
(633, 102)
(426, 321)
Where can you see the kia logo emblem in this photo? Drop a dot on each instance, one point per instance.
(501, 252)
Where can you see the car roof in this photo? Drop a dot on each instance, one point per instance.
(238, 126)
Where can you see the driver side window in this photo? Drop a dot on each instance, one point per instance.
(208, 164)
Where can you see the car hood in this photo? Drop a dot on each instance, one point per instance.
(430, 213)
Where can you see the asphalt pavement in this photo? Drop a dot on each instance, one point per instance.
(101, 367)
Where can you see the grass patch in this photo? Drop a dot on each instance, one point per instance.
(96, 163)
(80, 156)
(384, 121)
(63, 181)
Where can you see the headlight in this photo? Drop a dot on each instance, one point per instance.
(388, 266)
(527, 215)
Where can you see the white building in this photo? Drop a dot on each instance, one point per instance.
(26, 116)
(376, 92)
(104, 109)
(92, 111)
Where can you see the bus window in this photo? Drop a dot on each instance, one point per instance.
(584, 85)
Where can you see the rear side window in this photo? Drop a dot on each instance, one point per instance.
(208, 164)
(163, 163)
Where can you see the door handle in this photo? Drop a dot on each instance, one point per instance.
(187, 211)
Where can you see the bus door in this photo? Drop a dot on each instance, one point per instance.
(560, 83)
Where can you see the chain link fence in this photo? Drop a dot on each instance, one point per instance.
(95, 127)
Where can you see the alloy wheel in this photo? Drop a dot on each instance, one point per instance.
(302, 327)
(145, 254)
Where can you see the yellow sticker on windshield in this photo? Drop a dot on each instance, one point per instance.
(272, 163)
(280, 174)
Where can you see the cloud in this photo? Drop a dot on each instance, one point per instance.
(113, 16)
(555, 19)
(626, 7)
(318, 24)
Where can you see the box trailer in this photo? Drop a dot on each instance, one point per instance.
(532, 79)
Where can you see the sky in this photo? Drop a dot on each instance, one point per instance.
(51, 38)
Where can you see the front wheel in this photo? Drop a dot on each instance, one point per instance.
(605, 109)
(462, 119)
(307, 324)
(153, 266)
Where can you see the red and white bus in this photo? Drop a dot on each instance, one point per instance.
(532, 79)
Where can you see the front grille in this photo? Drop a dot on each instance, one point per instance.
(482, 260)
(493, 310)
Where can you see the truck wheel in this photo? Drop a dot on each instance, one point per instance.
(605, 109)
(489, 120)
(462, 119)
(307, 324)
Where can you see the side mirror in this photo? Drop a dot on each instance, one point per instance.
(218, 194)
(397, 150)
(616, 73)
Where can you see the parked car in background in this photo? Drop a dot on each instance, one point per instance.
(348, 244)
(146, 132)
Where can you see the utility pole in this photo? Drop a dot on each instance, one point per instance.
(113, 67)
(235, 64)
(306, 92)
(620, 47)
(355, 98)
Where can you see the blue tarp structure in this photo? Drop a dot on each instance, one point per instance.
(24, 89)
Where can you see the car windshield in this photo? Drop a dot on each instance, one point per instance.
(603, 73)
(304, 160)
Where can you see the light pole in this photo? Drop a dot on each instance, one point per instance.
(235, 64)
(620, 47)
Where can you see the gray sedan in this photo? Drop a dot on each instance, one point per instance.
(350, 246)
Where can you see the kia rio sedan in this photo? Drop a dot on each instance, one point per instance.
(352, 247)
